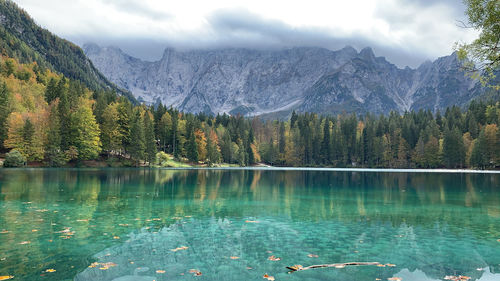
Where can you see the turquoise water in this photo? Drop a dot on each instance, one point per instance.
(134, 224)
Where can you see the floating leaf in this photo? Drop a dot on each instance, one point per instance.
(390, 264)
(247, 221)
(457, 278)
(234, 258)
(273, 258)
(24, 242)
(116, 237)
(340, 266)
(83, 220)
(4, 232)
(395, 279)
(312, 256)
(270, 278)
(50, 270)
(160, 271)
(34, 230)
(179, 249)
(6, 277)
(196, 272)
(381, 265)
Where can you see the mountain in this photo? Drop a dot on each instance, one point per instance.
(24, 40)
(253, 82)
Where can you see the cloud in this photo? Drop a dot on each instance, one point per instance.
(134, 7)
(407, 32)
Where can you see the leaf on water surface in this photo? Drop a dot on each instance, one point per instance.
(234, 258)
(6, 277)
(116, 237)
(179, 249)
(395, 279)
(83, 220)
(312, 256)
(124, 224)
(390, 265)
(248, 221)
(50, 270)
(249, 268)
(160, 271)
(456, 278)
(273, 258)
(25, 242)
(157, 219)
(270, 278)
(34, 230)
(4, 231)
(381, 265)
(195, 272)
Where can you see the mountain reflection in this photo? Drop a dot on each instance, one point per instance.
(400, 218)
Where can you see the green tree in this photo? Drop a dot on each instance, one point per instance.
(484, 52)
(4, 113)
(149, 138)
(28, 133)
(111, 135)
(137, 147)
(53, 152)
(453, 149)
(14, 159)
(86, 132)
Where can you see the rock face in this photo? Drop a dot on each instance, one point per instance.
(252, 82)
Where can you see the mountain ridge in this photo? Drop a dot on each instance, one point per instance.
(255, 82)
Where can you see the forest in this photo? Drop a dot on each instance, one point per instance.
(50, 120)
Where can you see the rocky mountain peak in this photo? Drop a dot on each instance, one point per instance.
(256, 82)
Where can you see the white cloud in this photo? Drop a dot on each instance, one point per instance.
(421, 28)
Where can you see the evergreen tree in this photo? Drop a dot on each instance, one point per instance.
(453, 148)
(4, 113)
(137, 146)
(53, 152)
(149, 138)
(27, 134)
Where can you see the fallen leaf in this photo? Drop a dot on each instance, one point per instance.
(234, 258)
(34, 230)
(457, 278)
(4, 232)
(395, 279)
(390, 264)
(160, 271)
(249, 268)
(340, 266)
(50, 270)
(247, 221)
(6, 277)
(312, 256)
(116, 237)
(381, 265)
(273, 258)
(198, 273)
(378, 279)
(270, 278)
(179, 248)
(24, 242)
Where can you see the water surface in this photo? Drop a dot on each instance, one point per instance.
(135, 224)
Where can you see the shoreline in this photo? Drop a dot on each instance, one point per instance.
(270, 168)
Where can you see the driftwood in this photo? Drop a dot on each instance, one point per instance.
(336, 265)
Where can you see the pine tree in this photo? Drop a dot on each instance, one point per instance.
(453, 148)
(53, 151)
(149, 138)
(4, 113)
(137, 146)
(27, 134)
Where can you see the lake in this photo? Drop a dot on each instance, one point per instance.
(151, 224)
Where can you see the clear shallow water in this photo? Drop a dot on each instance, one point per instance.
(124, 224)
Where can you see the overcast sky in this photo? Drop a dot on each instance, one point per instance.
(406, 32)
